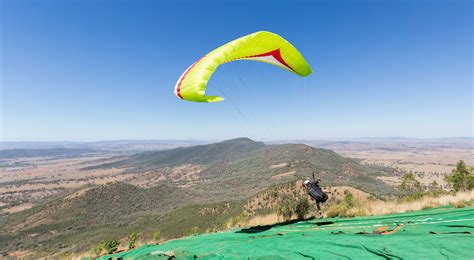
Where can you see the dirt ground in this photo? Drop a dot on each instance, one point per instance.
(25, 182)
(429, 163)
(28, 180)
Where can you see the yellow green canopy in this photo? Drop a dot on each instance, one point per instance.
(260, 46)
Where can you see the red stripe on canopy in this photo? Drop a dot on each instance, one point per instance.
(178, 88)
(276, 54)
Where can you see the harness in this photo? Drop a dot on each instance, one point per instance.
(315, 192)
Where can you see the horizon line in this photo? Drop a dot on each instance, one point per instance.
(223, 139)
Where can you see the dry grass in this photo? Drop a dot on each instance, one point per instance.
(336, 193)
(369, 207)
(263, 220)
(20, 254)
(276, 166)
(19, 208)
(389, 207)
(283, 175)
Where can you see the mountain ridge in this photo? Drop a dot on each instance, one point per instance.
(198, 154)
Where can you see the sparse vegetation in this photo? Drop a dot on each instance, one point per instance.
(132, 240)
(241, 218)
(294, 205)
(410, 187)
(111, 246)
(336, 210)
(285, 209)
(348, 199)
(97, 249)
(434, 189)
(156, 236)
(193, 231)
(302, 208)
(348, 208)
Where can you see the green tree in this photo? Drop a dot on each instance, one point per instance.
(461, 178)
(111, 245)
(410, 186)
(302, 208)
(132, 240)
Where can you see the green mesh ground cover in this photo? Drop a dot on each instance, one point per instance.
(442, 233)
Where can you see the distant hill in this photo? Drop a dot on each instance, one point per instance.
(127, 146)
(243, 165)
(50, 152)
(199, 154)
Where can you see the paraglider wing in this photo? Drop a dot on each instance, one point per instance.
(260, 46)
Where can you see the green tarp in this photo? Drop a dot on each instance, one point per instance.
(441, 233)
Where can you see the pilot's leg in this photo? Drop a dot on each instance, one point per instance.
(319, 210)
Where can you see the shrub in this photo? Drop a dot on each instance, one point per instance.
(97, 249)
(234, 221)
(302, 208)
(460, 204)
(156, 236)
(132, 240)
(336, 210)
(111, 245)
(372, 197)
(347, 208)
(193, 231)
(357, 210)
(435, 189)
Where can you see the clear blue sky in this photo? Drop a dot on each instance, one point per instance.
(90, 70)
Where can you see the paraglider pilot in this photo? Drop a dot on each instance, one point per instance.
(316, 193)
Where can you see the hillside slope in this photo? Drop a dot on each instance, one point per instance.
(91, 212)
(230, 174)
